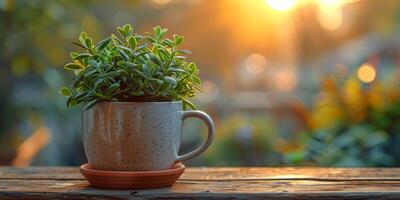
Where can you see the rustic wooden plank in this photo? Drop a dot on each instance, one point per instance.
(212, 183)
(293, 173)
(69, 173)
(285, 173)
(79, 189)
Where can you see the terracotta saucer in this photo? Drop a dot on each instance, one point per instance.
(132, 180)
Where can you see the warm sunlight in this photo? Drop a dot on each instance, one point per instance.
(281, 4)
(330, 14)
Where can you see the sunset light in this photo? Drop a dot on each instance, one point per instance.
(281, 4)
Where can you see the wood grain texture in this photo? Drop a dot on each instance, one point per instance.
(212, 183)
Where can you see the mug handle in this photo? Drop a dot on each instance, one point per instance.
(211, 130)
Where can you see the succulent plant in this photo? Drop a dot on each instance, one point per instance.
(131, 68)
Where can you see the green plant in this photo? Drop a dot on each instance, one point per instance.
(131, 68)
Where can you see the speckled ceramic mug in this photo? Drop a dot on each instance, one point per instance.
(138, 136)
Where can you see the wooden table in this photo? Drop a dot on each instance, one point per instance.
(212, 183)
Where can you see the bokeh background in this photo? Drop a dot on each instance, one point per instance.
(288, 82)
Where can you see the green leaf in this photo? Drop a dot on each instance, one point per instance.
(189, 104)
(72, 66)
(112, 74)
(73, 54)
(98, 84)
(80, 45)
(123, 54)
(142, 54)
(132, 42)
(80, 95)
(123, 73)
(125, 49)
(178, 39)
(140, 73)
(93, 63)
(157, 30)
(150, 39)
(90, 104)
(112, 88)
(127, 29)
(121, 31)
(103, 44)
(65, 91)
(192, 67)
(154, 50)
(196, 80)
(170, 80)
(155, 60)
(184, 51)
(198, 87)
(163, 55)
(180, 57)
(77, 71)
(142, 47)
(70, 102)
(162, 33)
(115, 38)
(82, 38)
(174, 69)
(146, 68)
(88, 43)
(129, 64)
(158, 81)
(82, 56)
(168, 42)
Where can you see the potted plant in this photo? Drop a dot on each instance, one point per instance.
(135, 91)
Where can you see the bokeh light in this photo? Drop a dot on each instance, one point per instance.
(255, 64)
(366, 73)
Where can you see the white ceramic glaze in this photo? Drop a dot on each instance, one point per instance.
(137, 136)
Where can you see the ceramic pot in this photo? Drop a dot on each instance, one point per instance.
(138, 136)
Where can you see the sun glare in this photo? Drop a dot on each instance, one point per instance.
(330, 14)
(281, 4)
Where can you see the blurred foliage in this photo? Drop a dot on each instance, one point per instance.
(353, 124)
(243, 141)
(34, 42)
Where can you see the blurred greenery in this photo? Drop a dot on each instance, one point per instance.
(353, 125)
(33, 49)
(244, 140)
